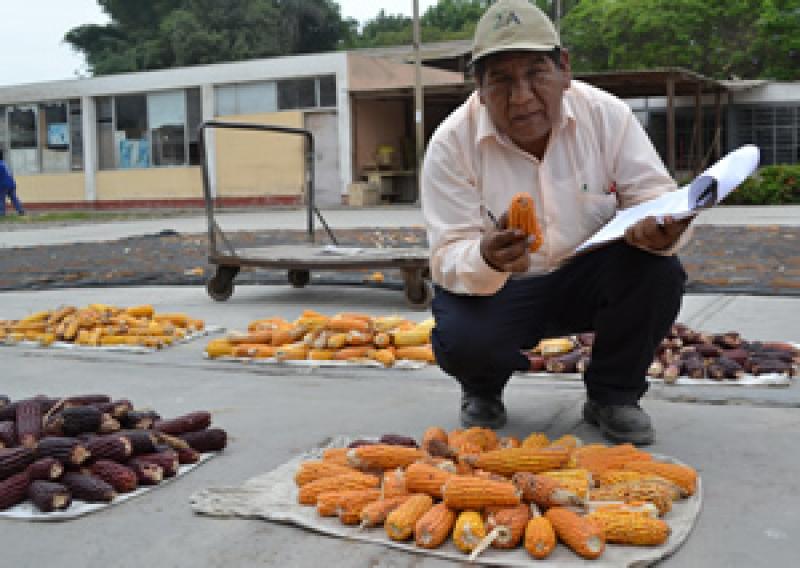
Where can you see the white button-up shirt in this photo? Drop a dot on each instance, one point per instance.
(598, 159)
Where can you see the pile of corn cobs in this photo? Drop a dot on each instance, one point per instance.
(479, 490)
(92, 448)
(683, 353)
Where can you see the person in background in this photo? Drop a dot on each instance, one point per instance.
(581, 154)
(8, 189)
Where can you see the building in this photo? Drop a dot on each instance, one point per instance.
(131, 140)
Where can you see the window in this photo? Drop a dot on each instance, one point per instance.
(166, 116)
(774, 129)
(76, 135)
(105, 132)
(327, 91)
(246, 98)
(54, 134)
(23, 155)
(297, 93)
(132, 148)
(194, 116)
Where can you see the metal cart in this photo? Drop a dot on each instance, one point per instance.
(300, 260)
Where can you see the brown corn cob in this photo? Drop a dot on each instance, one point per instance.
(544, 491)
(423, 478)
(623, 527)
(29, 422)
(375, 513)
(48, 496)
(187, 456)
(310, 491)
(208, 440)
(329, 503)
(312, 470)
(513, 460)
(470, 493)
(469, 531)
(401, 522)
(383, 456)
(522, 216)
(433, 528)
(146, 473)
(510, 522)
(13, 490)
(45, 469)
(683, 476)
(199, 420)
(123, 479)
(540, 538)
(582, 535)
(398, 440)
(15, 460)
(111, 447)
(653, 492)
(8, 434)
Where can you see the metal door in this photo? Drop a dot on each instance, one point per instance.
(327, 183)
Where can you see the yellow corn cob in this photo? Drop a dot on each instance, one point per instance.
(650, 491)
(567, 441)
(485, 438)
(416, 353)
(143, 311)
(375, 513)
(254, 351)
(310, 491)
(512, 460)
(46, 339)
(577, 480)
(536, 440)
(321, 354)
(555, 346)
(181, 320)
(292, 352)
(643, 508)
(424, 478)
(387, 323)
(40, 316)
(623, 527)
(317, 469)
(349, 510)
(125, 340)
(584, 536)
(383, 356)
(683, 476)
(469, 531)
(411, 337)
(464, 493)
(60, 314)
(509, 442)
(433, 528)
(382, 339)
(614, 476)
(401, 522)
(383, 456)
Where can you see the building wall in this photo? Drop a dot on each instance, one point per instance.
(251, 164)
(150, 184)
(50, 188)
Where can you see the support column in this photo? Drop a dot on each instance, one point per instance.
(671, 125)
(717, 126)
(698, 131)
(207, 104)
(90, 157)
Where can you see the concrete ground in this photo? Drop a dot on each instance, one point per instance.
(746, 452)
(17, 235)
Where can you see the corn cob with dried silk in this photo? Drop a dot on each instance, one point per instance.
(545, 491)
(683, 476)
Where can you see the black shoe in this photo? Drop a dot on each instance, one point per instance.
(483, 410)
(620, 423)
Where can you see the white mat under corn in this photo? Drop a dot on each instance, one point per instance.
(272, 496)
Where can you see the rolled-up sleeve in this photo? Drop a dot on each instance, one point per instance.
(451, 206)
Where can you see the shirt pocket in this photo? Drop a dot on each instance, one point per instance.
(597, 209)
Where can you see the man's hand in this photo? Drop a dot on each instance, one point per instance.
(649, 235)
(504, 249)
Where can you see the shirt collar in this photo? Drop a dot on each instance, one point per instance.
(486, 127)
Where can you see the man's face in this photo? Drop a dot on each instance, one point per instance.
(522, 92)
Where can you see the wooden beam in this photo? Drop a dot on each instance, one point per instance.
(717, 125)
(697, 159)
(671, 124)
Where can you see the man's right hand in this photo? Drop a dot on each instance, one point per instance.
(504, 249)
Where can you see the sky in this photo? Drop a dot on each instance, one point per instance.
(32, 47)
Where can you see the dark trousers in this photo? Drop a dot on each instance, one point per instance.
(11, 194)
(628, 297)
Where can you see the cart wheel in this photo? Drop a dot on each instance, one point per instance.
(220, 286)
(418, 291)
(299, 278)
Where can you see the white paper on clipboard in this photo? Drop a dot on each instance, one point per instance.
(706, 190)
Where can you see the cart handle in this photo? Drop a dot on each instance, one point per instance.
(309, 163)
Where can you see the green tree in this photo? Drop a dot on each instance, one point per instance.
(156, 34)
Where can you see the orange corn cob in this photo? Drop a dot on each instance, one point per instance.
(416, 353)
(433, 528)
(310, 491)
(346, 324)
(433, 433)
(465, 493)
(683, 476)
(567, 441)
(622, 527)
(584, 536)
(383, 356)
(428, 479)
(469, 531)
(653, 492)
(522, 216)
(383, 456)
(336, 455)
(509, 442)
(375, 513)
(510, 523)
(512, 460)
(254, 351)
(394, 483)
(540, 538)
(545, 491)
(401, 522)
(348, 353)
(331, 503)
(349, 509)
(312, 470)
(536, 440)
